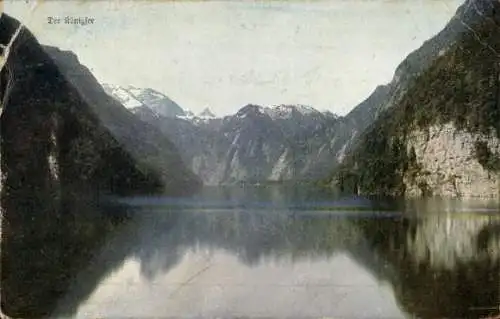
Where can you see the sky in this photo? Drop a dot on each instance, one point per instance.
(225, 54)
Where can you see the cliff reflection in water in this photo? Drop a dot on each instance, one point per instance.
(438, 265)
(41, 256)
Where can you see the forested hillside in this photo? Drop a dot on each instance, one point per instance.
(457, 95)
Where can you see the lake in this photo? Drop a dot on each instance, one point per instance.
(292, 252)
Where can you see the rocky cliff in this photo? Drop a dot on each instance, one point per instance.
(442, 136)
(57, 161)
(448, 164)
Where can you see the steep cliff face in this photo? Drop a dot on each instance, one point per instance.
(467, 17)
(49, 129)
(145, 142)
(442, 136)
(386, 96)
(57, 160)
(448, 163)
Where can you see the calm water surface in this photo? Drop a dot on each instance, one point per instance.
(295, 253)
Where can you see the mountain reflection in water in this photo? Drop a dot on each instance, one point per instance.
(272, 252)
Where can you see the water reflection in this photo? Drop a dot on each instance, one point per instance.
(452, 281)
(267, 262)
(42, 253)
(265, 253)
(221, 264)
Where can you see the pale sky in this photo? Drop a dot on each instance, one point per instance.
(225, 54)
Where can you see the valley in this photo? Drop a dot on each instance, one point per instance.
(452, 78)
(118, 201)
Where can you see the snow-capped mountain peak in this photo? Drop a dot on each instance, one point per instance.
(206, 114)
(280, 112)
(287, 111)
(124, 96)
(251, 109)
(275, 112)
(133, 97)
(305, 109)
(188, 116)
(330, 114)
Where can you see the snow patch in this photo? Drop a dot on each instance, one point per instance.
(284, 111)
(281, 168)
(135, 91)
(188, 116)
(341, 153)
(280, 112)
(305, 109)
(235, 141)
(157, 95)
(122, 95)
(261, 110)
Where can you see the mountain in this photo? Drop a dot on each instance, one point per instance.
(59, 161)
(256, 144)
(290, 142)
(123, 96)
(279, 143)
(132, 97)
(145, 142)
(206, 114)
(441, 136)
(147, 102)
(388, 95)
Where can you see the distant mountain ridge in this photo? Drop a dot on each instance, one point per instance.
(256, 144)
